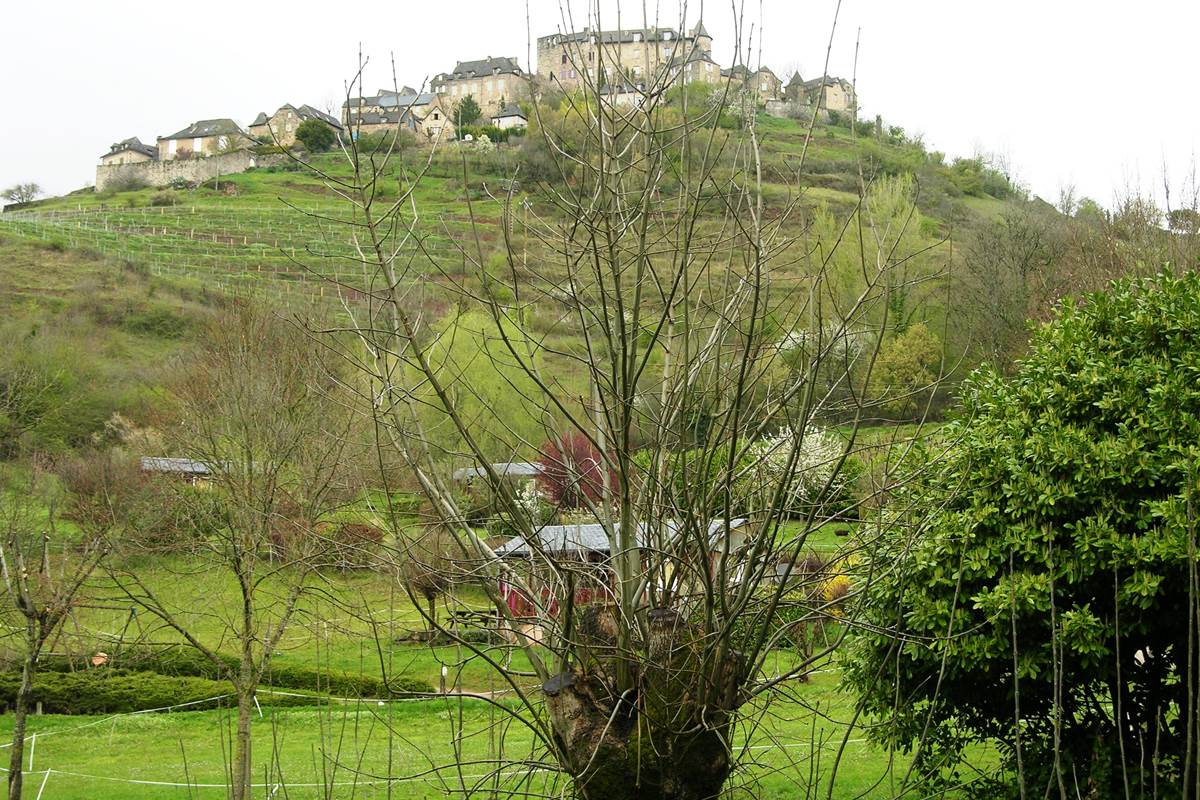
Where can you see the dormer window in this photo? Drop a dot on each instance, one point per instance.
(666, 36)
(637, 37)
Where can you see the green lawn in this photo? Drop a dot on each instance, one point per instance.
(414, 743)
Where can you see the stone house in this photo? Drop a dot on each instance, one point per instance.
(129, 151)
(794, 91)
(628, 55)
(492, 82)
(697, 66)
(831, 94)
(280, 127)
(511, 116)
(425, 114)
(204, 138)
(762, 83)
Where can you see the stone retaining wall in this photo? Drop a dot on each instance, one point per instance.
(192, 170)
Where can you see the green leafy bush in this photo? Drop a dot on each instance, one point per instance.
(315, 135)
(1057, 538)
(162, 322)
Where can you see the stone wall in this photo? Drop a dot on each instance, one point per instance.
(193, 170)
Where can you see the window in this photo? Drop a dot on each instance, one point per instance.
(197, 144)
(171, 147)
(564, 58)
(436, 116)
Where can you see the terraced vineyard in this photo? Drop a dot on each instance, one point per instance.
(235, 249)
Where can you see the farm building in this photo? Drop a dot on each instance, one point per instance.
(194, 472)
(513, 470)
(511, 116)
(588, 546)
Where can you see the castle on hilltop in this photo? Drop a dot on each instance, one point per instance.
(624, 66)
(627, 56)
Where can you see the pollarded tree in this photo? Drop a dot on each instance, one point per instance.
(642, 287)
(1047, 600)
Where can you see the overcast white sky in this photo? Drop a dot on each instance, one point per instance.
(1095, 93)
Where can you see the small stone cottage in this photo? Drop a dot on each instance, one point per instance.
(204, 138)
(280, 128)
(129, 151)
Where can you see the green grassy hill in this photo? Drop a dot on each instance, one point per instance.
(270, 227)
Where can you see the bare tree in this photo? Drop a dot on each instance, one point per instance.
(648, 623)
(44, 573)
(22, 193)
(256, 407)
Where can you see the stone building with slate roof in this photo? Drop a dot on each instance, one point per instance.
(204, 138)
(424, 113)
(831, 94)
(280, 128)
(493, 82)
(646, 56)
(129, 151)
(762, 83)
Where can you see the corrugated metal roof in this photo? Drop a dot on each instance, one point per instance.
(178, 465)
(508, 469)
(591, 538)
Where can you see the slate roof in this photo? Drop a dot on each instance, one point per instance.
(179, 466)
(817, 83)
(743, 72)
(699, 30)
(502, 65)
(796, 80)
(507, 469)
(591, 538)
(308, 112)
(261, 119)
(510, 110)
(209, 127)
(404, 100)
(624, 36)
(386, 118)
(695, 54)
(135, 144)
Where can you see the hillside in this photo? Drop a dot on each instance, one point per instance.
(252, 230)
(277, 232)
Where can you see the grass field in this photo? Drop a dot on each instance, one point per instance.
(424, 747)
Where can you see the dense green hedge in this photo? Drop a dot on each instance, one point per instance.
(187, 662)
(111, 691)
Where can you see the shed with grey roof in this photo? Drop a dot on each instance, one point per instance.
(588, 541)
(505, 469)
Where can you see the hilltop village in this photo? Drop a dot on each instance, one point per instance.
(623, 67)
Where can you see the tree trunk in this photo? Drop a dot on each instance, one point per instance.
(667, 742)
(20, 713)
(241, 754)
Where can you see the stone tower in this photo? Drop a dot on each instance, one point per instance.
(701, 38)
